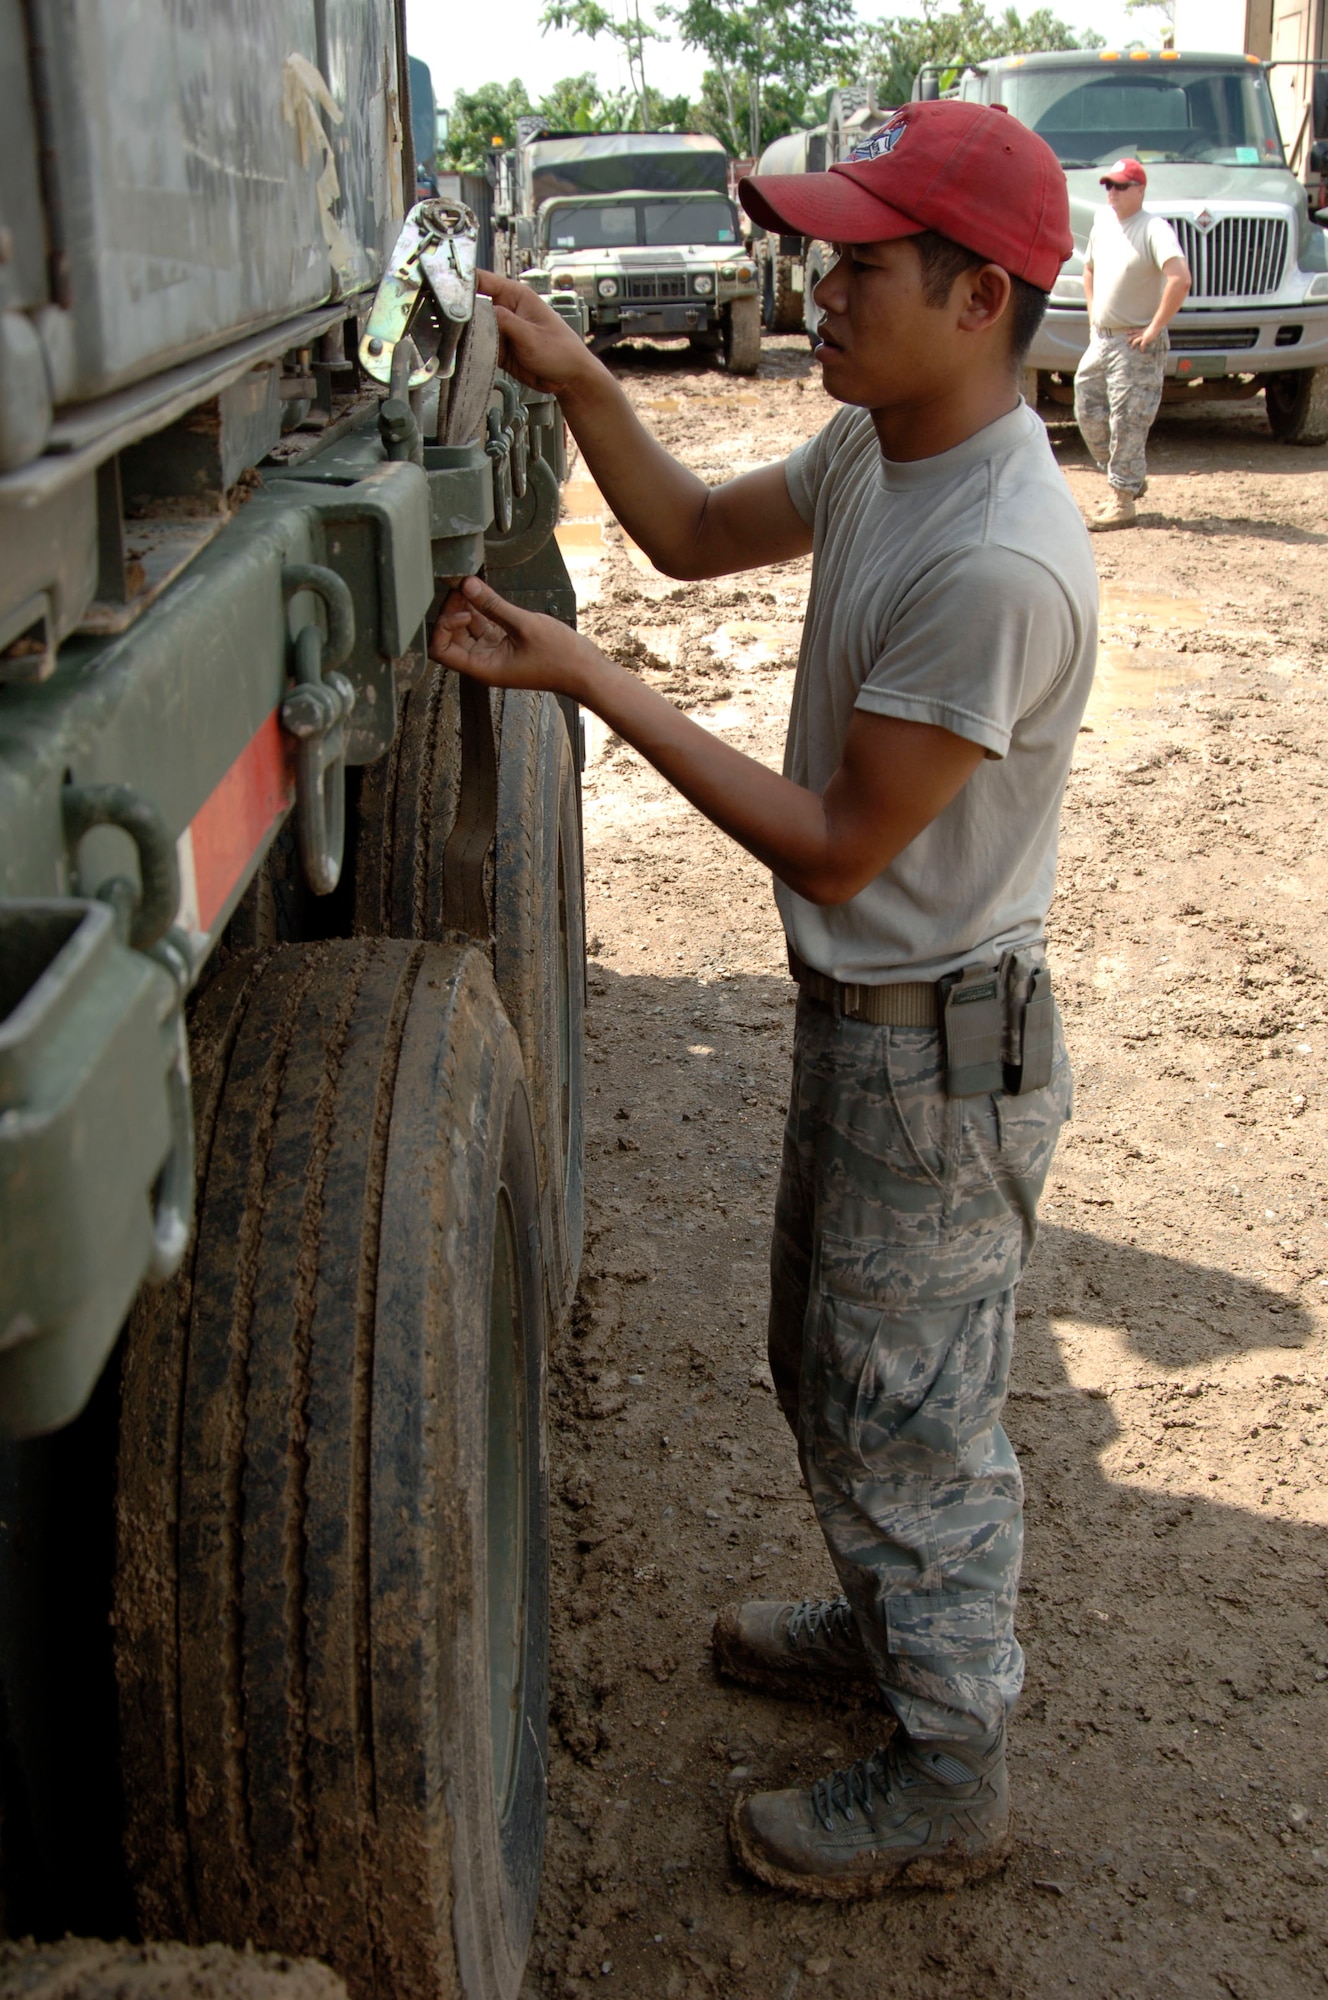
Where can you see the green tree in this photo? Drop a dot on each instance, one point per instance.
(588, 17)
(479, 117)
(893, 50)
(578, 104)
(766, 60)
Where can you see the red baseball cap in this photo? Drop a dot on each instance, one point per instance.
(968, 171)
(1126, 170)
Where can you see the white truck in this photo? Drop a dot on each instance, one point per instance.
(1204, 127)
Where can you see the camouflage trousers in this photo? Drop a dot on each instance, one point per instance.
(1117, 389)
(902, 1224)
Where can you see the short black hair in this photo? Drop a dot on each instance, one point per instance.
(943, 260)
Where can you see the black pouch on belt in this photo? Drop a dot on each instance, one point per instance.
(973, 1013)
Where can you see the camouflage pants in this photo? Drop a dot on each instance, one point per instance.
(1117, 389)
(902, 1225)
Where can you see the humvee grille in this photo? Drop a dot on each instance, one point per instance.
(661, 285)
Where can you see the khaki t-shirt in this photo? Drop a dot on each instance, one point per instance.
(1126, 260)
(958, 590)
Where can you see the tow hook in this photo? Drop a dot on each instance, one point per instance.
(315, 712)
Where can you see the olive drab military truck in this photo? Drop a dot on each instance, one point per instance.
(1204, 128)
(636, 232)
(291, 985)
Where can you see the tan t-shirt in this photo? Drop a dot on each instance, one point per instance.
(1126, 260)
(958, 590)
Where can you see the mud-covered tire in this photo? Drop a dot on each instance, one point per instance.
(1297, 405)
(407, 808)
(781, 310)
(331, 1593)
(820, 257)
(539, 959)
(741, 332)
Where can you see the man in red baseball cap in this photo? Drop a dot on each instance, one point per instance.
(1136, 280)
(947, 654)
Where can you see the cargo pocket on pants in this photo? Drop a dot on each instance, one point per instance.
(887, 1392)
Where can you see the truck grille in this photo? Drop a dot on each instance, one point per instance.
(1190, 340)
(1242, 256)
(661, 286)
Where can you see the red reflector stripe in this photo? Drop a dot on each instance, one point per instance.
(233, 823)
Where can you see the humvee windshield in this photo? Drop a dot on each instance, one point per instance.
(1221, 116)
(657, 224)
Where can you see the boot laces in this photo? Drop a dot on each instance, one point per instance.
(850, 1792)
(829, 1618)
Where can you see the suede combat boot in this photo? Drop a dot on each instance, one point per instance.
(1118, 512)
(913, 1815)
(809, 1650)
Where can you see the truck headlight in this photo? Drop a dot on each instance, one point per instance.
(607, 288)
(745, 274)
(1318, 287)
(563, 281)
(1068, 291)
(728, 273)
(703, 282)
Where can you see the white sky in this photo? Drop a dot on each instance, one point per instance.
(495, 40)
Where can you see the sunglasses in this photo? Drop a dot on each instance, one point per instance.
(1117, 187)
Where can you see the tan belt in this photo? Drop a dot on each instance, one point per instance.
(909, 1003)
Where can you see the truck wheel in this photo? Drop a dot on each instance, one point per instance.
(407, 808)
(742, 336)
(787, 316)
(1297, 405)
(331, 1596)
(539, 957)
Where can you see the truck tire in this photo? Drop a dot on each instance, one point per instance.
(820, 257)
(407, 808)
(742, 336)
(539, 959)
(1297, 405)
(783, 305)
(331, 1593)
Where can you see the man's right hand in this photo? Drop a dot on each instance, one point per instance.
(536, 343)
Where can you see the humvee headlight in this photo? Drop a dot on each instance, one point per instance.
(745, 274)
(563, 281)
(703, 282)
(728, 273)
(608, 288)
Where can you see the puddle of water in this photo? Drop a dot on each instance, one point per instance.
(731, 717)
(671, 403)
(750, 641)
(580, 534)
(1132, 676)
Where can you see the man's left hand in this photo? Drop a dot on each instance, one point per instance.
(481, 634)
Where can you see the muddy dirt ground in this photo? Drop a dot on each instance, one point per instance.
(1170, 1397)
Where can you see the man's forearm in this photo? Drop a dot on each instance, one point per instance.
(1175, 291)
(782, 824)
